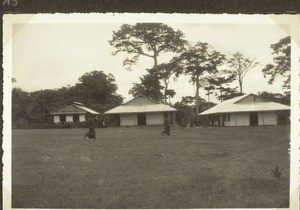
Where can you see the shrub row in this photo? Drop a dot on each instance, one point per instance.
(56, 125)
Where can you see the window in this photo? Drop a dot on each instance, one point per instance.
(228, 117)
(224, 116)
(75, 117)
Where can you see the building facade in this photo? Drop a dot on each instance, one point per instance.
(247, 110)
(73, 112)
(141, 111)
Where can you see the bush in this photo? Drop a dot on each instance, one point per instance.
(53, 125)
(72, 125)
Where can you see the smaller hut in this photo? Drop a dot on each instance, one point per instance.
(73, 112)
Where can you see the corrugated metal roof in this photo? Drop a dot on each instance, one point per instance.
(233, 105)
(86, 109)
(72, 108)
(130, 107)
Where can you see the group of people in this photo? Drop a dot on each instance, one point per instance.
(91, 134)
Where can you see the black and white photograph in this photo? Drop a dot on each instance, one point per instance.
(151, 111)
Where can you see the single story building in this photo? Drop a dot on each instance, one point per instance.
(247, 110)
(73, 112)
(141, 111)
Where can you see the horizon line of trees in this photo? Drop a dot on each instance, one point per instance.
(207, 69)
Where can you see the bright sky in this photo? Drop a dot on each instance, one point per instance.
(53, 55)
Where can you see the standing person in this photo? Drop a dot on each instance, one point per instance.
(166, 127)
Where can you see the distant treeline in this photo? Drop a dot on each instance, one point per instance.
(95, 89)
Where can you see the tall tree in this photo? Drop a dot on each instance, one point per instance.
(198, 60)
(239, 65)
(146, 39)
(282, 62)
(149, 40)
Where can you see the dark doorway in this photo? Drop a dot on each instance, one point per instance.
(253, 118)
(62, 118)
(114, 120)
(141, 119)
(166, 117)
(75, 117)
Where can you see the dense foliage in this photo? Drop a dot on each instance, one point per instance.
(95, 89)
(276, 97)
(282, 62)
(149, 86)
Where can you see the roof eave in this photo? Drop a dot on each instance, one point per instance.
(140, 112)
(261, 110)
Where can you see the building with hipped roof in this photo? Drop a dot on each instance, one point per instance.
(142, 111)
(247, 110)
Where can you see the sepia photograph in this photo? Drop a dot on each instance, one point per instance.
(150, 111)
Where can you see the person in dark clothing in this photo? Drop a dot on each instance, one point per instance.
(91, 134)
(167, 128)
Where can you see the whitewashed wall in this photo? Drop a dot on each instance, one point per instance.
(270, 118)
(243, 119)
(69, 118)
(230, 122)
(82, 118)
(151, 119)
(56, 119)
(155, 118)
(267, 118)
(261, 120)
(128, 119)
(238, 119)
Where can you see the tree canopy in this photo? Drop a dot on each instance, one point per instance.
(146, 39)
(282, 62)
(221, 83)
(239, 65)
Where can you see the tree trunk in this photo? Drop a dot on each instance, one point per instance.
(208, 100)
(197, 94)
(155, 61)
(241, 85)
(165, 93)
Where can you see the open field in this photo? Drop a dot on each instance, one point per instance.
(201, 167)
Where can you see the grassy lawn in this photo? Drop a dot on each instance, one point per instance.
(201, 167)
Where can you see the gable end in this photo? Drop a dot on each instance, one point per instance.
(251, 99)
(140, 101)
